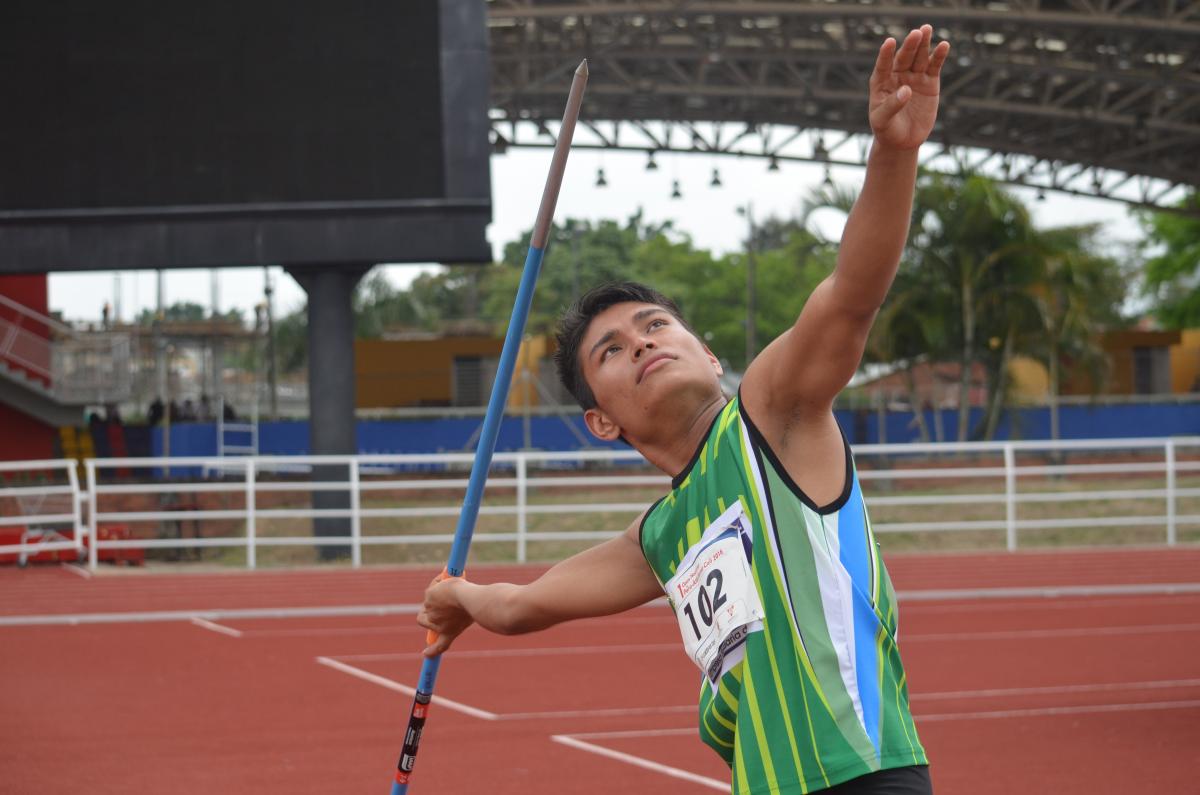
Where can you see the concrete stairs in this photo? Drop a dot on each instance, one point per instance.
(30, 396)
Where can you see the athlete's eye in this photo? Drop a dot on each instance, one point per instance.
(657, 322)
(608, 351)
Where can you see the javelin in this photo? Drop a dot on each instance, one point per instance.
(495, 412)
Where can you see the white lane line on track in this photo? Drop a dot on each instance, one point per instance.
(72, 619)
(391, 684)
(1036, 712)
(1062, 603)
(212, 626)
(534, 652)
(637, 761)
(1047, 591)
(1101, 687)
(322, 631)
(413, 608)
(1074, 632)
(598, 713)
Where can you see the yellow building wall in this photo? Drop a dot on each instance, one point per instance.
(400, 373)
(405, 373)
(534, 351)
(1029, 378)
(1185, 362)
(1119, 347)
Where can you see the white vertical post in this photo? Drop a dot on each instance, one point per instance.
(355, 518)
(1170, 492)
(251, 531)
(1010, 498)
(93, 525)
(76, 510)
(522, 488)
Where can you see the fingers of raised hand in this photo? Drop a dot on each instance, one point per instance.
(907, 53)
(938, 58)
(921, 61)
(916, 55)
(883, 63)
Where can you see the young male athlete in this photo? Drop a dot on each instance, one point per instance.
(762, 545)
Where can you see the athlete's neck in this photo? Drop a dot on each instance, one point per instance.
(671, 448)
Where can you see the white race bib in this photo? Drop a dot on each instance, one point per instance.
(713, 595)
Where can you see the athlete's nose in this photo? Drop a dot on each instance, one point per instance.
(642, 347)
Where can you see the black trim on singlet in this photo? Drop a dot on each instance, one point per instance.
(761, 443)
(642, 528)
(678, 479)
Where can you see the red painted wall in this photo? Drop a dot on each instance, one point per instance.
(29, 290)
(22, 438)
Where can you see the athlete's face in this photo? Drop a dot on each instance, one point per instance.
(638, 360)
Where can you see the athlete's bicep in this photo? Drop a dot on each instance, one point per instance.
(804, 369)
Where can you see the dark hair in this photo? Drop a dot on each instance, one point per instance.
(575, 321)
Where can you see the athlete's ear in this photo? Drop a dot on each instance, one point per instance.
(601, 425)
(716, 363)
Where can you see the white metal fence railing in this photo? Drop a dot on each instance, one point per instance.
(1012, 490)
(42, 505)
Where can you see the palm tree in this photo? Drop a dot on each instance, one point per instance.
(972, 245)
(1080, 294)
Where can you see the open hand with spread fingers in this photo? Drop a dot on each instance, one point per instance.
(905, 87)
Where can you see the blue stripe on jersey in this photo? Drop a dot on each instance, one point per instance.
(856, 557)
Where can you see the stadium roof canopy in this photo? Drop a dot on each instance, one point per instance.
(1093, 97)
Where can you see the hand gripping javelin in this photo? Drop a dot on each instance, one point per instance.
(495, 412)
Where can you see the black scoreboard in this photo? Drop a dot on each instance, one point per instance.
(157, 133)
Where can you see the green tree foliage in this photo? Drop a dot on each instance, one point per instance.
(291, 341)
(710, 290)
(980, 284)
(186, 312)
(1172, 268)
(579, 255)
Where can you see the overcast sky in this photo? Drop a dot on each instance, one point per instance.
(707, 214)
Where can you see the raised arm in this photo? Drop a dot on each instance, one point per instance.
(802, 371)
(606, 579)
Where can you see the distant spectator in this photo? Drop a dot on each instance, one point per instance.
(206, 412)
(155, 415)
(112, 414)
(228, 413)
(174, 413)
(188, 414)
(105, 311)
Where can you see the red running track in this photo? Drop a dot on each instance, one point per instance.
(1069, 672)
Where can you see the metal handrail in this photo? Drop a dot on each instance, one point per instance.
(76, 367)
(33, 314)
(535, 486)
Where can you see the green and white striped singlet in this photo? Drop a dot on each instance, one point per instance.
(813, 693)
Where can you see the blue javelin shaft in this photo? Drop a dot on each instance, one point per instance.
(486, 446)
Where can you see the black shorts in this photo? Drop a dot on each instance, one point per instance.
(893, 781)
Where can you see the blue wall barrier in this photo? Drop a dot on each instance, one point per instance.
(456, 435)
(1075, 422)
